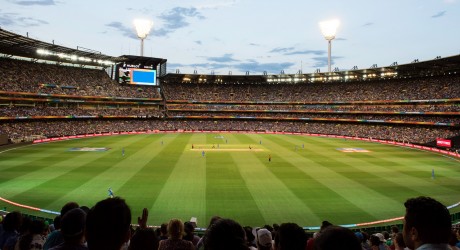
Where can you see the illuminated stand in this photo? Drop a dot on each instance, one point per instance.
(143, 28)
(329, 29)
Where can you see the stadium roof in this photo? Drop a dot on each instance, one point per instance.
(23, 46)
(437, 66)
(130, 59)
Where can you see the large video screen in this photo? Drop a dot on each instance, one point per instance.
(137, 76)
(143, 76)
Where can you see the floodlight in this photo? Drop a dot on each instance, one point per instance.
(143, 28)
(329, 29)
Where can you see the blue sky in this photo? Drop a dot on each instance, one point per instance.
(247, 35)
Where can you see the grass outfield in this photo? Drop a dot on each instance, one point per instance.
(303, 184)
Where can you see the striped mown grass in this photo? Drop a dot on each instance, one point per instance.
(308, 179)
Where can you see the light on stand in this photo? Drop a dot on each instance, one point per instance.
(329, 29)
(143, 28)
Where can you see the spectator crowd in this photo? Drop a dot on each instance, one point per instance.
(337, 108)
(107, 225)
(421, 88)
(21, 130)
(32, 77)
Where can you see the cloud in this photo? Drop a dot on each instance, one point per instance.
(6, 20)
(340, 39)
(291, 51)
(249, 65)
(226, 58)
(254, 44)
(34, 2)
(272, 68)
(306, 52)
(199, 42)
(281, 50)
(176, 18)
(28, 21)
(12, 19)
(439, 14)
(227, 62)
(126, 31)
(368, 24)
(218, 5)
(320, 62)
(200, 67)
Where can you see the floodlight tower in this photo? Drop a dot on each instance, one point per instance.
(329, 29)
(143, 28)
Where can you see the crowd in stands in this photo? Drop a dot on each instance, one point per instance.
(21, 130)
(423, 88)
(46, 110)
(376, 117)
(52, 110)
(317, 107)
(32, 77)
(107, 225)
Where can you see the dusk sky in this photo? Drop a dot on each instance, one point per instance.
(247, 35)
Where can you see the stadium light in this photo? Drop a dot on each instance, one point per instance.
(329, 29)
(143, 28)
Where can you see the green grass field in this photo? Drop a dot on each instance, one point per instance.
(162, 172)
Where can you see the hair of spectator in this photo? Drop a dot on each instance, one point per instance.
(335, 237)
(430, 218)
(225, 234)
(68, 206)
(144, 239)
(175, 229)
(290, 236)
(108, 224)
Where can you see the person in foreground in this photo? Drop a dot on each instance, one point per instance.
(73, 230)
(108, 224)
(336, 237)
(427, 224)
(225, 234)
(175, 241)
(290, 236)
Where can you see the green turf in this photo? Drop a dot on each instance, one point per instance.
(305, 185)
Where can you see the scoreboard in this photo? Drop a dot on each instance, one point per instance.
(139, 70)
(131, 74)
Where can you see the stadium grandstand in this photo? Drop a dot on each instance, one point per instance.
(49, 91)
(44, 85)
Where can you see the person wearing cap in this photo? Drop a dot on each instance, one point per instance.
(375, 243)
(362, 240)
(73, 230)
(264, 239)
(380, 243)
(427, 224)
